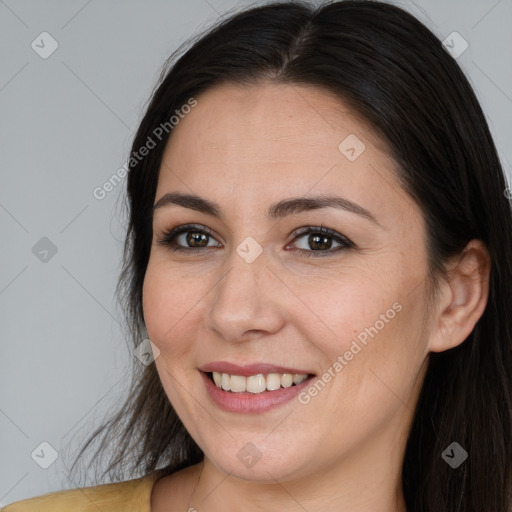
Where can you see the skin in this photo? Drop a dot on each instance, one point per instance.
(245, 148)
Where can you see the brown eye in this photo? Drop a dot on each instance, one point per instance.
(187, 238)
(196, 237)
(319, 241)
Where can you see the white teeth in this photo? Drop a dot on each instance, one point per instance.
(257, 383)
(225, 382)
(287, 380)
(297, 379)
(237, 383)
(273, 381)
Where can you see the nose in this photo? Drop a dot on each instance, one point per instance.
(245, 301)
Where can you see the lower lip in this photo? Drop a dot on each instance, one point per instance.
(248, 403)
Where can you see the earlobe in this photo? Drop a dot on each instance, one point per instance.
(464, 297)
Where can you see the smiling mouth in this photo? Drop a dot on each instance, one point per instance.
(260, 383)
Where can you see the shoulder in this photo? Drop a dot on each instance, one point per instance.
(175, 488)
(131, 495)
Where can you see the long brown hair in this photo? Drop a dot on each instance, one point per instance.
(393, 71)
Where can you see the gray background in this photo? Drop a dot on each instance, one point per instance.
(66, 126)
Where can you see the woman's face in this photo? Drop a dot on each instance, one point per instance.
(258, 290)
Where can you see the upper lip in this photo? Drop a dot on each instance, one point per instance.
(249, 369)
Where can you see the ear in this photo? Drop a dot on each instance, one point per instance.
(463, 298)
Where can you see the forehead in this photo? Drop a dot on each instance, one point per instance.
(273, 139)
(271, 117)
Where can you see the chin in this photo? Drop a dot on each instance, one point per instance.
(261, 465)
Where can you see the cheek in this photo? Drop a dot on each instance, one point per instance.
(167, 304)
(170, 317)
(373, 322)
(380, 360)
(336, 307)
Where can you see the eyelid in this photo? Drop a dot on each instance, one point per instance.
(322, 230)
(167, 235)
(167, 238)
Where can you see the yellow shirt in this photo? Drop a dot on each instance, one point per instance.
(129, 496)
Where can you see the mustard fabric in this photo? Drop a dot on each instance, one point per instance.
(129, 496)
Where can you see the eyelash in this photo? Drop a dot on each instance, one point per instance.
(168, 239)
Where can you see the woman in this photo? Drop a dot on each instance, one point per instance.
(373, 376)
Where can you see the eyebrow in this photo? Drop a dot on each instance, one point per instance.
(276, 211)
